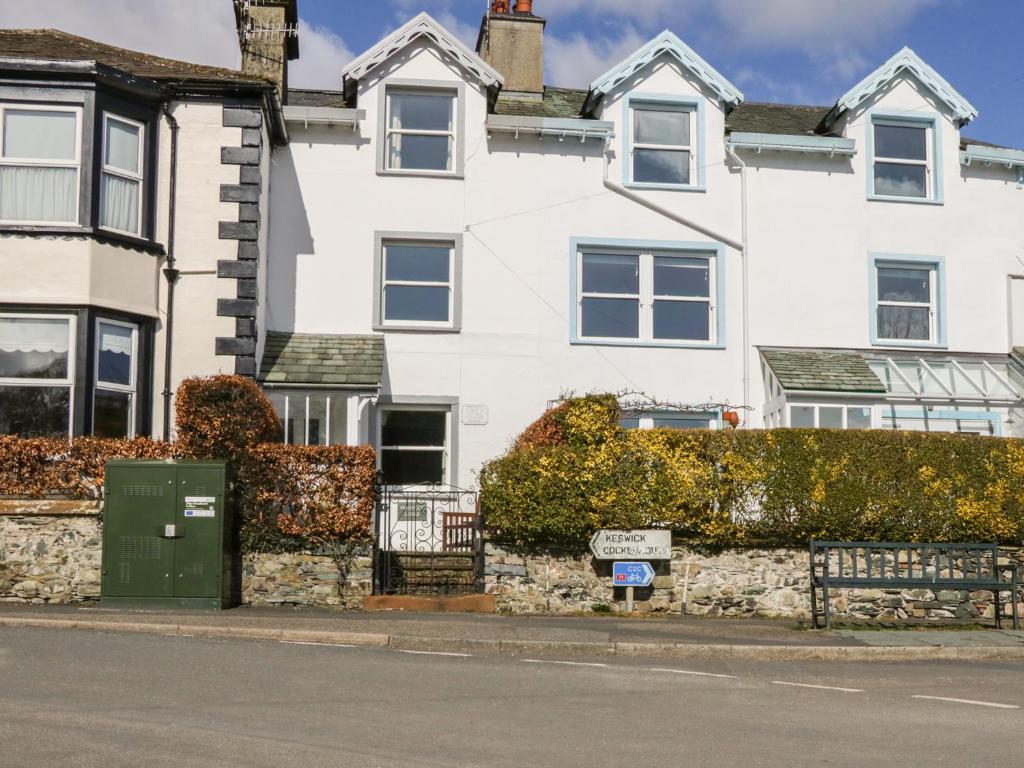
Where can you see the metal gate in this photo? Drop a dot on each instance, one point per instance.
(428, 541)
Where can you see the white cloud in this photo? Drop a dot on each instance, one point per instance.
(323, 55)
(199, 31)
(575, 61)
(772, 89)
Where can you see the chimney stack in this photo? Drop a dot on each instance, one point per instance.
(268, 35)
(513, 43)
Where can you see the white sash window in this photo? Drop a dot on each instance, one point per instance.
(121, 185)
(116, 379)
(36, 374)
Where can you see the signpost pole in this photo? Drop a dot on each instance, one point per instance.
(629, 599)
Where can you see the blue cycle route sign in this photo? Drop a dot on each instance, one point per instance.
(632, 574)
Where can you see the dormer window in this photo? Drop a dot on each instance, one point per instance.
(121, 187)
(40, 157)
(664, 142)
(421, 131)
(903, 159)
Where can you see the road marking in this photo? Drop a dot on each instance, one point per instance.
(688, 672)
(566, 663)
(323, 645)
(818, 687)
(968, 701)
(435, 653)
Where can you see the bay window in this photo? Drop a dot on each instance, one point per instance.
(658, 296)
(122, 175)
(116, 384)
(414, 445)
(36, 374)
(40, 157)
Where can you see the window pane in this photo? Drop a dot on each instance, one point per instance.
(115, 354)
(413, 302)
(122, 146)
(34, 411)
(900, 141)
(420, 153)
(830, 417)
(681, 422)
(911, 285)
(38, 194)
(660, 166)
(629, 422)
(112, 414)
(674, 276)
(611, 274)
(611, 318)
(904, 323)
(421, 111)
(119, 208)
(801, 416)
(858, 418)
(669, 127)
(421, 263)
(39, 134)
(33, 348)
(896, 180)
(412, 467)
(689, 320)
(317, 420)
(413, 428)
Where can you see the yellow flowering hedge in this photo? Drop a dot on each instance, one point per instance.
(575, 471)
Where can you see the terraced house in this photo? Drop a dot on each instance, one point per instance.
(449, 244)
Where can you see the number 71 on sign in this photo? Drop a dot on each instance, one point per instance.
(632, 574)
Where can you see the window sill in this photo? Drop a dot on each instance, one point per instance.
(646, 344)
(666, 187)
(897, 344)
(402, 328)
(421, 174)
(100, 235)
(911, 200)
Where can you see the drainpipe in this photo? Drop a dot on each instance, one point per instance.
(170, 271)
(744, 252)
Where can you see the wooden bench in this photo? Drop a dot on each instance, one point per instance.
(885, 565)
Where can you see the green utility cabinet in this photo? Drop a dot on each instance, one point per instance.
(168, 535)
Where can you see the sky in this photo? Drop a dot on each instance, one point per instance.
(790, 51)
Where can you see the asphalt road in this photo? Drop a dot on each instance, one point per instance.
(74, 698)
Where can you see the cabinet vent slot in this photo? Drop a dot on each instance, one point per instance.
(140, 548)
(197, 569)
(126, 572)
(142, 490)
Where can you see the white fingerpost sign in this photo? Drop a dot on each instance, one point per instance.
(632, 545)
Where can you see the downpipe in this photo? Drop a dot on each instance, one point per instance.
(170, 272)
(745, 256)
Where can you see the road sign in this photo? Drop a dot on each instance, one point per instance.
(632, 574)
(632, 545)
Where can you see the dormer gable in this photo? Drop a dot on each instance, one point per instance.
(665, 44)
(905, 63)
(422, 27)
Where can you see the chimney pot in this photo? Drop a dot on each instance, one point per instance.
(524, 6)
(500, 6)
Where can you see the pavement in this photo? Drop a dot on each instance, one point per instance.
(677, 637)
(89, 698)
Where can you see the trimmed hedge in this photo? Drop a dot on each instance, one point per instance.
(731, 487)
(290, 497)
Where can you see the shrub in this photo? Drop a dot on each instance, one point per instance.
(219, 417)
(733, 487)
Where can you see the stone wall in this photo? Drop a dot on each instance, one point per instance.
(754, 582)
(305, 579)
(50, 551)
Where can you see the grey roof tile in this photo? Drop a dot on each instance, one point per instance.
(556, 102)
(822, 370)
(291, 358)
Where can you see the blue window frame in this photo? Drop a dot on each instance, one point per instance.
(904, 157)
(907, 300)
(647, 293)
(663, 142)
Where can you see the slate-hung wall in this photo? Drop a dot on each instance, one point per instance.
(655, 233)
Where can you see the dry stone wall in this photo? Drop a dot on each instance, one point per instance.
(752, 582)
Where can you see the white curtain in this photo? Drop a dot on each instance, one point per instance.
(115, 338)
(34, 193)
(19, 334)
(120, 203)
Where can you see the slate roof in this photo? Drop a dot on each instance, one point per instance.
(302, 359)
(305, 97)
(786, 119)
(54, 45)
(822, 370)
(556, 102)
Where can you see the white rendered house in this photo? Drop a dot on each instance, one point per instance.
(488, 243)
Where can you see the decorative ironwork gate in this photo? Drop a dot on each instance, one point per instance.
(428, 541)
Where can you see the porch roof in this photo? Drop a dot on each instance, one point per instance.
(322, 360)
(822, 370)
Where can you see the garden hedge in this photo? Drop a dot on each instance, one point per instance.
(575, 471)
(290, 497)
